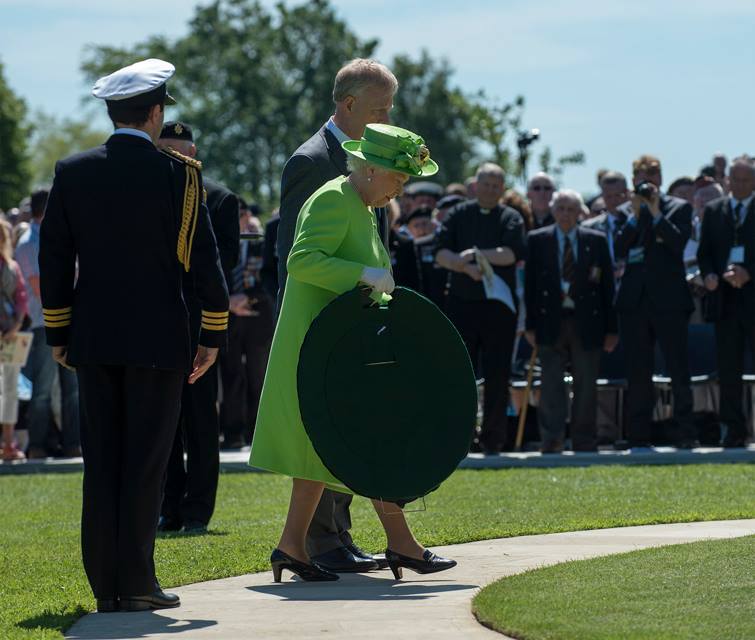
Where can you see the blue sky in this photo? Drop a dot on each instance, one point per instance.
(614, 79)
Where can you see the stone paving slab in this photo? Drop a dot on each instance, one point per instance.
(373, 605)
(237, 460)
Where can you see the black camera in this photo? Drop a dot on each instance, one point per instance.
(644, 190)
(526, 138)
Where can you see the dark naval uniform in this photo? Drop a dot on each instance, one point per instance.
(191, 487)
(133, 220)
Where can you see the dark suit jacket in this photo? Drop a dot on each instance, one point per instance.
(314, 163)
(593, 289)
(117, 210)
(716, 241)
(223, 207)
(661, 275)
(269, 272)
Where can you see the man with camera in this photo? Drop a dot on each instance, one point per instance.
(654, 301)
(726, 256)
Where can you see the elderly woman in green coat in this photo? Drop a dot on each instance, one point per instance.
(337, 247)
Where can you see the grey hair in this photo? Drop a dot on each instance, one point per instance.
(490, 170)
(714, 186)
(564, 194)
(540, 175)
(355, 76)
(742, 161)
(359, 165)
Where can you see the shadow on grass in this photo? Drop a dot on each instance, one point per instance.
(53, 621)
(168, 535)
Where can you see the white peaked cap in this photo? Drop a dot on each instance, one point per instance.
(135, 80)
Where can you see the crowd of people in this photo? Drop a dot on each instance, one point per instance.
(435, 232)
(580, 290)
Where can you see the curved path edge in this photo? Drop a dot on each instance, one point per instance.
(373, 605)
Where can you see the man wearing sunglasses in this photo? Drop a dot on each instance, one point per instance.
(539, 192)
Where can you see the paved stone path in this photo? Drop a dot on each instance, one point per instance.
(373, 605)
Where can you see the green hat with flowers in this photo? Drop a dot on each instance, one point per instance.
(394, 148)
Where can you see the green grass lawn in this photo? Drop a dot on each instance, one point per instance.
(43, 588)
(699, 590)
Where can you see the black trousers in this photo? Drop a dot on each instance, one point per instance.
(553, 408)
(242, 369)
(488, 328)
(128, 423)
(640, 329)
(191, 486)
(733, 333)
(330, 524)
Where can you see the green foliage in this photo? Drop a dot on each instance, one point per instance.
(53, 139)
(44, 588)
(254, 84)
(14, 161)
(427, 104)
(699, 590)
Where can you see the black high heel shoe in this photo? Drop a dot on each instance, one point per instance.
(430, 563)
(309, 572)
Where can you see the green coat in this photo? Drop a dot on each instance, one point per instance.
(336, 237)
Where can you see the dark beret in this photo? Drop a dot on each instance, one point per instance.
(449, 201)
(177, 131)
(424, 188)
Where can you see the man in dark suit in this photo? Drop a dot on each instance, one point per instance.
(570, 318)
(363, 93)
(654, 301)
(132, 218)
(191, 486)
(615, 194)
(487, 325)
(726, 256)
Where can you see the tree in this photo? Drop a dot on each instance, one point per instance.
(14, 161)
(53, 139)
(444, 116)
(254, 84)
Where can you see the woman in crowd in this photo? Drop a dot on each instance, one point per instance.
(337, 247)
(13, 308)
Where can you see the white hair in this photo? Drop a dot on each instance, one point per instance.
(567, 194)
(540, 175)
(360, 165)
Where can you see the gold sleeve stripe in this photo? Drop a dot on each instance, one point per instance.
(212, 327)
(66, 316)
(214, 314)
(215, 321)
(56, 312)
(53, 325)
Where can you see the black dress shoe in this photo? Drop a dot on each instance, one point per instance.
(430, 563)
(195, 527)
(107, 605)
(168, 524)
(341, 560)
(280, 560)
(156, 600)
(382, 563)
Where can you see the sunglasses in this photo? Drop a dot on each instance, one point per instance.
(541, 187)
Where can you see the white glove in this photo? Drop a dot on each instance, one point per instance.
(380, 280)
